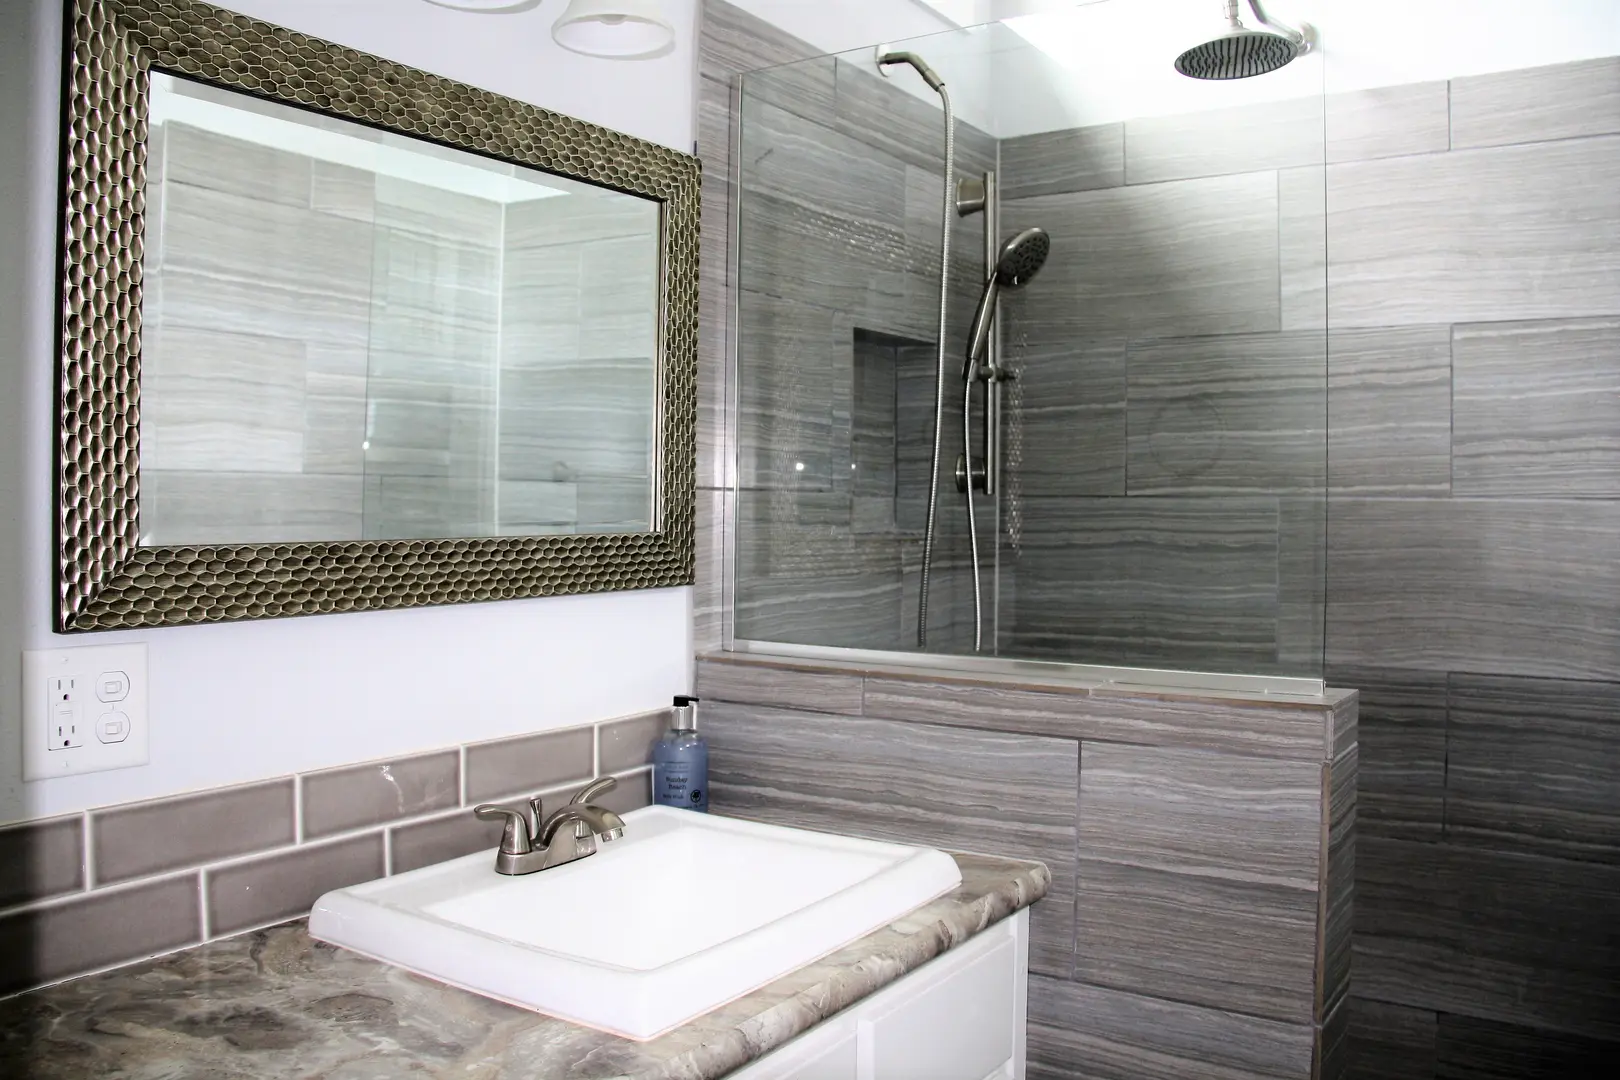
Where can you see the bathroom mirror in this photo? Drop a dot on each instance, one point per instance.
(338, 334)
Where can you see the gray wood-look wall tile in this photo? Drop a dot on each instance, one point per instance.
(1201, 813)
(1389, 121)
(1160, 260)
(1302, 523)
(1536, 408)
(971, 791)
(1533, 765)
(223, 402)
(760, 684)
(1302, 248)
(715, 513)
(1336, 922)
(1265, 730)
(1470, 1049)
(208, 159)
(1242, 414)
(1208, 941)
(1218, 142)
(1560, 101)
(1514, 232)
(248, 508)
(1392, 1042)
(1163, 582)
(1053, 162)
(1081, 1032)
(1390, 411)
(1512, 938)
(1515, 587)
(1401, 785)
(809, 163)
(1065, 411)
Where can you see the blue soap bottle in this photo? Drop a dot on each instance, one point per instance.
(681, 761)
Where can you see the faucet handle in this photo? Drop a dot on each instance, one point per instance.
(517, 839)
(593, 789)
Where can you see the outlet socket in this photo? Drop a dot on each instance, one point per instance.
(84, 710)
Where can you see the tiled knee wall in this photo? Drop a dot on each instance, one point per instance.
(1201, 847)
(120, 883)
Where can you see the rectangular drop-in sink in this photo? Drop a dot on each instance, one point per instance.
(686, 912)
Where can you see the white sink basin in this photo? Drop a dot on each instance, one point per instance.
(686, 912)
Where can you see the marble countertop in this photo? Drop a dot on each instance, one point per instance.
(274, 1003)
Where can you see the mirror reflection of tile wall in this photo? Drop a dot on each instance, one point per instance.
(433, 346)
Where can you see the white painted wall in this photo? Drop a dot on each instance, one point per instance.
(236, 702)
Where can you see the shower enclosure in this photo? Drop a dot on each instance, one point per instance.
(1146, 444)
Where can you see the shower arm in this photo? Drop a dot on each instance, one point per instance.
(1298, 37)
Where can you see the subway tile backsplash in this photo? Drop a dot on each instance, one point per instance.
(119, 883)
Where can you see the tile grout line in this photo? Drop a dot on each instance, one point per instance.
(87, 861)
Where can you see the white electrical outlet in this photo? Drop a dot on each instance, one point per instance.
(84, 710)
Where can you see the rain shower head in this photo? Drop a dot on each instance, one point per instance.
(1021, 258)
(1241, 53)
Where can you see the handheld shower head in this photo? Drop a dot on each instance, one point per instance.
(1241, 53)
(887, 59)
(1021, 258)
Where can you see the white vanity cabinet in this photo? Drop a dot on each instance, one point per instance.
(958, 1017)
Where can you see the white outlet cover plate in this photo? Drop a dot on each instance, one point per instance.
(86, 666)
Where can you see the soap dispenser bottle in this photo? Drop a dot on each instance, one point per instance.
(681, 761)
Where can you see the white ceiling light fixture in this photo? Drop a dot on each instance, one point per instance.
(615, 29)
(612, 29)
(488, 7)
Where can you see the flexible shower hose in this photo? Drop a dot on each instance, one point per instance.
(939, 372)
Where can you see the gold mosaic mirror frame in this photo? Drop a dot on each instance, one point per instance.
(105, 579)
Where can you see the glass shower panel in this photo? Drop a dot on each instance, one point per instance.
(1163, 399)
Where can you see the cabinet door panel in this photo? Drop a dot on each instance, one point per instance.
(959, 1028)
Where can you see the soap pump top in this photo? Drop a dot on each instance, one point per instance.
(684, 715)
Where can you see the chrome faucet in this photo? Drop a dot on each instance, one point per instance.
(532, 841)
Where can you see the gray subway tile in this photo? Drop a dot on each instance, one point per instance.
(1517, 939)
(1237, 415)
(1533, 765)
(41, 859)
(114, 926)
(1392, 1042)
(1217, 142)
(1209, 814)
(762, 684)
(1207, 941)
(627, 743)
(139, 839)
(529, 763)
(963, 790)
(1515, 587)
(1052, 162)
(1560, 101)
(425, 843)
(1513, 232)
(1390, 411)
(1083, 1032)
(1388, 121)
(633, 791)
(1159, 260)
(285, 886)
(351, 798)
(1536, 409)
